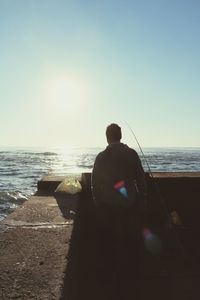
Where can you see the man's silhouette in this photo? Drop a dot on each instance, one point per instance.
(118, 179)
(119, 193)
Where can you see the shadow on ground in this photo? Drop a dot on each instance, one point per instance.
(100, 268)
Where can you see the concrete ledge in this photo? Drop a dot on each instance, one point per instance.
(175, 174)
(42, 210)
(33, 262)
(34, 248)
(49, 183)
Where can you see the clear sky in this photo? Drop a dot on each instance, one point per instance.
(69, 68)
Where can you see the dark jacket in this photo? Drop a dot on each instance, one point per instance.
(116, 163)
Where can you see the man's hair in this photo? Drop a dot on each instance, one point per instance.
(113, 133)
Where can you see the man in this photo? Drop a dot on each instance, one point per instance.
(118, 179)
(119, 193)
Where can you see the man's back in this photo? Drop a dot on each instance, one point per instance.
(117, 164)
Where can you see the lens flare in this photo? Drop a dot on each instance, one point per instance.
(151, 241)
(120, 186)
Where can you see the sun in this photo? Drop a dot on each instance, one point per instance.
(65, 90)
(65, 93)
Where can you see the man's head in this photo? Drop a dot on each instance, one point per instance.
(113, 133)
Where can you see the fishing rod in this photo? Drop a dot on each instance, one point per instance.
(170, 223)
(151, 174)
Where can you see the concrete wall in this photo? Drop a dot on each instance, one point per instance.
(178, 191)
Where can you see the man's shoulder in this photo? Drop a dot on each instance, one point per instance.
(131, 150)
(101, 155)
(123, 149)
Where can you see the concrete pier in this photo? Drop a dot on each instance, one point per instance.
(51, 248)
(34, 248)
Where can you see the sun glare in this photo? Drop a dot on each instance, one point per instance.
(65, 93)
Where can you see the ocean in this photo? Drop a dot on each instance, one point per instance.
(20, 169)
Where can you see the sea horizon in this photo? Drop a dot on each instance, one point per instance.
(22, 167)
